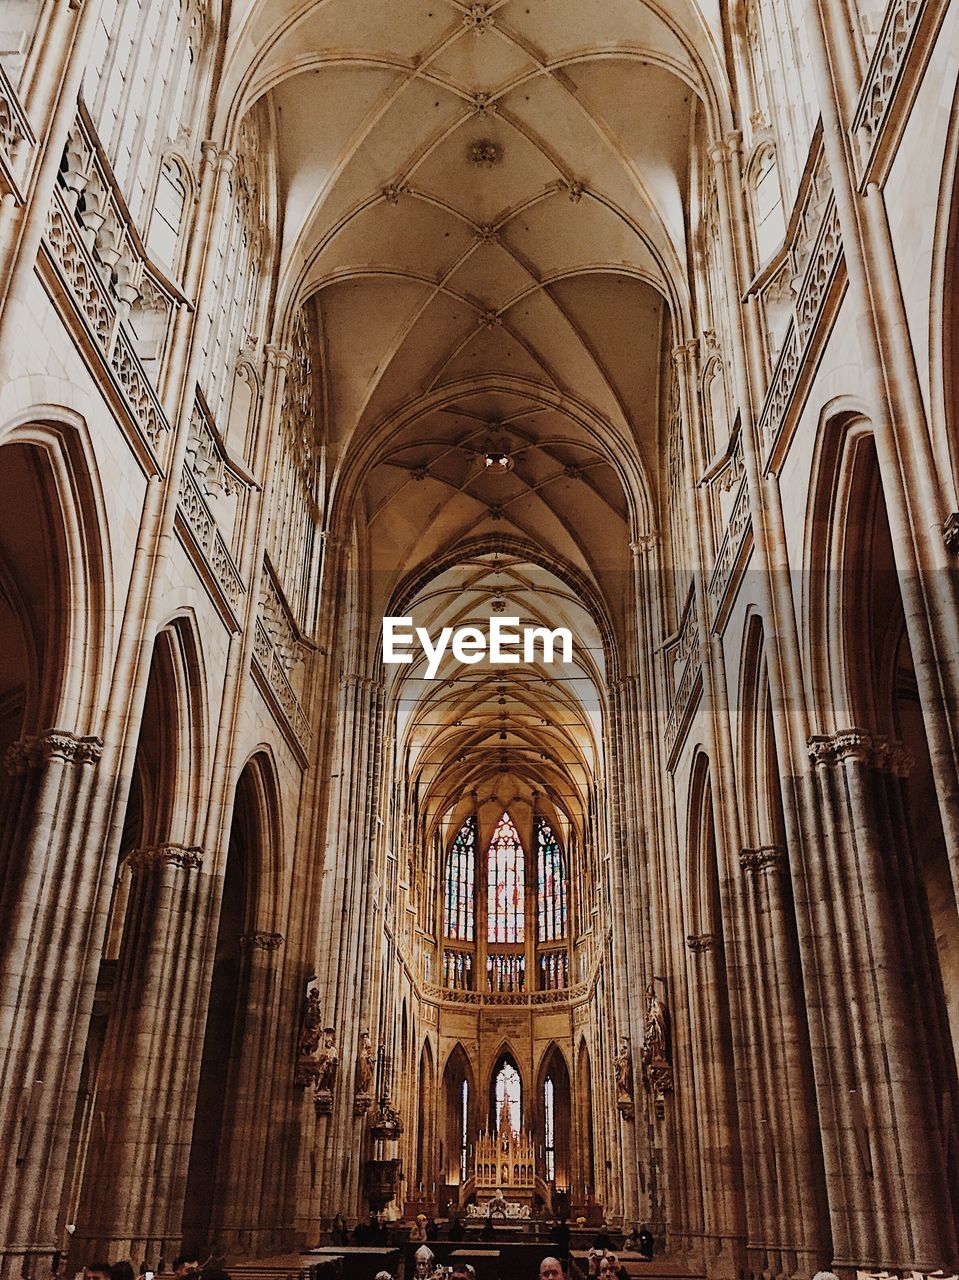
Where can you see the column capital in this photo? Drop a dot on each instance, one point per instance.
(644, 543)
(277, 356)
(684, 353)
(34, 750)
(874, 749)
(699, 943)
(219, 159)
(831, 748)
(261, 941)
(185, 857)
(768, 857)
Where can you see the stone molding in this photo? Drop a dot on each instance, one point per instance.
(699, 943)
(873, 749)
(34, 750)
(767, 857)
(185, 857)
(261, 941)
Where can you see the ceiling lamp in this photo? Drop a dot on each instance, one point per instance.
(502, 461)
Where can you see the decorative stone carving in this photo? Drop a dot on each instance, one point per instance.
(365, 1068)
(657, 1058)
(309, 1042)
(768, 857)
(34, 750)
(478, 18)
(394, 190)
(184, 857)
(700, 942)
(385, 1121)
(262, 941)
(484, 154)
(573, 189)
(327, 1064)
(623, 1069)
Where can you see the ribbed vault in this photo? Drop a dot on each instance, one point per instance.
(484, 214)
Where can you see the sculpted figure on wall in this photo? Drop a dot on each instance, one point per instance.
(365, 1066)
(657, 1066)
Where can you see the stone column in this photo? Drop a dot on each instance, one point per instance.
(46, 917)
(241, 1162)
(880, 1114)
(719, 1135)
(132, 1199)
(794, 1165)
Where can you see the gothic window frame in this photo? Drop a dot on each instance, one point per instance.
(552, 916)
(507, 926)
(459, 889)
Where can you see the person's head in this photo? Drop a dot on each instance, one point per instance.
(97, 1271)
(186, 1262)
(382, 1275)
(550, 1269)
(461, 1270)
(122, 1270)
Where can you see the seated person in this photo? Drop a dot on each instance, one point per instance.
(418, 1232)
(609, 1268)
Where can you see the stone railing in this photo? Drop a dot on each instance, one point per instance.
(820, 271)
(215, 471)
(883, 76)
(683, 669)
(731, 548)
(525, 999)
(85, 282)
(16, 137)
(278, 621)
(216, 558)
(283, 697)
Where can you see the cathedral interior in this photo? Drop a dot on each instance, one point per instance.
(636, 318)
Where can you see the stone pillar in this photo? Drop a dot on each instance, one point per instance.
(719, 1135)
(46, 917)
(241, 1164)
(793, 1163)
(879, 1115)
(132, 1200)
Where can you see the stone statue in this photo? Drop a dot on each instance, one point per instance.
(327, 1063)
(623, 1063)
(656, 1030)
(310, 1026)
(365, 1066)
(657, 1068)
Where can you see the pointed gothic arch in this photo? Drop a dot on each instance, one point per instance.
(553, 1118)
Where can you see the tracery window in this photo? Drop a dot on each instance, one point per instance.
(506, 876)
(552, 884)
(549, 1112)
(459, 920)
(509, 1090)
(138, 86)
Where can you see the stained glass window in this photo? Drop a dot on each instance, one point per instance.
(460, 889)
(549, 1108)
(552, 884)
(506, 877)
(509, 1090)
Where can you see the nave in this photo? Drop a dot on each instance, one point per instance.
(632, 320)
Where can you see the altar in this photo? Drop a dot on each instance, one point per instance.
(504, 1171)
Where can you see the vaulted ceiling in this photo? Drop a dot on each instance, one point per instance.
(485, 206)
